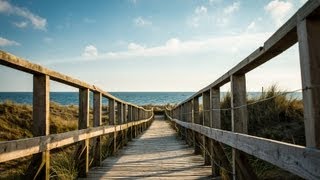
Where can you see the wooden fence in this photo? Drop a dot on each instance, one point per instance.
(303, 27)
(131, 120)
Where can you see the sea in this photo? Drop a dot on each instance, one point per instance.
(139, 98)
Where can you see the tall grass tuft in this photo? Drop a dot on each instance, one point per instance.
(63, 166)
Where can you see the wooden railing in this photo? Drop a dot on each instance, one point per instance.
(129, 117)
(303, 27)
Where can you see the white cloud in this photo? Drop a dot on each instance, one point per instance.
(90, 51)
(232, 8)
(139, 21)
(251, 26)
(176, 47)
(279, 11)
(135, 47)
(220, 18)
(22, 24)
(223, 19)
(200, 10)
(199, 15)
(37, 21)
(7, 42)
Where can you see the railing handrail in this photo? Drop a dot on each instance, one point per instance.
(15, 149)
(21, 64)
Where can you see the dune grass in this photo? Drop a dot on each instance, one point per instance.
(274, 115)
(16, 123)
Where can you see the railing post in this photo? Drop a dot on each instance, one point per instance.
(137, 119)
(190, 133)
(120, 121)
(112, 119)
(130, 120)
(215, 168)
(241, 166)
(206, 122)
(184, 113)
(125, 119)
(39, 167)
(83, 149)
(309, 48)
(220, 156)
(97, 121)
(134, 118)
(196, 120)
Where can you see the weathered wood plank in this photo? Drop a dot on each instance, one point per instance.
(206, 122)
(220, 157)
(196, 120)
(40, 126)
(157, 153)
(97, 121)
(309, 46)
(239, 119)
(300, 160)
(82, 156)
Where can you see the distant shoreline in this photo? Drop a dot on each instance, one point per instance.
(140, 98)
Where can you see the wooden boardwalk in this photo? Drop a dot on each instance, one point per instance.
(156, 154)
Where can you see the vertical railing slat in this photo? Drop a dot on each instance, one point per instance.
(113, 121)
(206, 122)
(309, 48)
(83, 149)
(40, 164)
(241, 166)
(196, 120)
(97, 121)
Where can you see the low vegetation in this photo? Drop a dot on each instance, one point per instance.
(16, 123)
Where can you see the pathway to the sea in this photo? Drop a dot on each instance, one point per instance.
(156, 154)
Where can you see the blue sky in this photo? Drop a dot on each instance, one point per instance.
(145, 45)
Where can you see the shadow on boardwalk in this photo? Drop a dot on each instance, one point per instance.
(156, 154)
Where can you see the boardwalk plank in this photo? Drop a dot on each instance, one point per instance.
(156, 154)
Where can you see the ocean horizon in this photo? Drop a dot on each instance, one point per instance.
(139, 98)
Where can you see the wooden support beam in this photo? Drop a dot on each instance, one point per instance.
(83, 123)
(220, 156)
(125, 119)
(97, 121)
(214, 156)
(184, 119)
(130, 116)
(134, 118)
(241, 166)
(189, 119)
(206, 122)
(39, 167)
(196, 120)
(120, 121)
(113, 121)
(309, 48)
